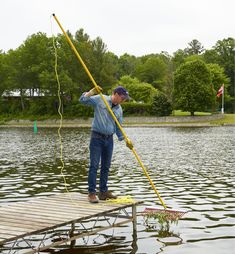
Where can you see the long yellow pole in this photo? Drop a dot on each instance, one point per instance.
(109, 109)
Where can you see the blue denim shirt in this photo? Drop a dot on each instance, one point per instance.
(103, 121)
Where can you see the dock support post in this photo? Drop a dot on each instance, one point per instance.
(134, 220)
(71, 234)
(134, 235)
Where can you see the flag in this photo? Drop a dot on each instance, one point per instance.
(220, 91)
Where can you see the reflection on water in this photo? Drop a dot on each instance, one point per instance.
(193, 169)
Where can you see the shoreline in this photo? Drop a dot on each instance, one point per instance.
(171, 121)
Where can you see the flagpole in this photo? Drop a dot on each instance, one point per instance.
(222, 106)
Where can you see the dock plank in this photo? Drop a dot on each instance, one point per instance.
(47, 211)
(21, 224)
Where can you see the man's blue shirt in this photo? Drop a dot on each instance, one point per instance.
(103, 121)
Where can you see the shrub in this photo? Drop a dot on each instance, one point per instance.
(139, 91)
(75, 109)
(131, 108)
(160, 105)
(10, 106)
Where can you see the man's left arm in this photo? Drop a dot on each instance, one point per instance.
(120, 120)
(119, 134)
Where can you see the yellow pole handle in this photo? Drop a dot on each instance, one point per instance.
(109, 109)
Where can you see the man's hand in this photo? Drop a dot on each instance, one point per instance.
(129, 143)
(94, 91)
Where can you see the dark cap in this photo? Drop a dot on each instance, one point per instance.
(122, 92)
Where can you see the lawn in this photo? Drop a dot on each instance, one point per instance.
(183, 113)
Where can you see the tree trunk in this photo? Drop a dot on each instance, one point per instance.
(22, 99)
(192, 113)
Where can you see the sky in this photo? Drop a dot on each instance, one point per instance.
(136, 27)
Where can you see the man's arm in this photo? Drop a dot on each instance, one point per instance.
(88, 98)
(120, 136)
(118, 131)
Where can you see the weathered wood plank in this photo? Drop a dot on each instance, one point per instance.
(12, 229)
(56, 211)
(30, 218)
(57, 205)
(37, 214)
(83, 204)
(21, 224)
(77, 203)
(77, 198)
(4, 237)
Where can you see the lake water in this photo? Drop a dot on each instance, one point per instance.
(193, 169)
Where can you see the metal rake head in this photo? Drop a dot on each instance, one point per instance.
(170, 215)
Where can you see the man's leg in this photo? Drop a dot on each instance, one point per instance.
(106, 157)
(95, 155)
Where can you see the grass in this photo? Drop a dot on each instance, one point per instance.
(228, 119)
(183, 113)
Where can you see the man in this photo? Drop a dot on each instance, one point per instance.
(101, 143)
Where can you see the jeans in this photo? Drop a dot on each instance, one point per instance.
(101, 149)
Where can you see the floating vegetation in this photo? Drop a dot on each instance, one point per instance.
(161, 220)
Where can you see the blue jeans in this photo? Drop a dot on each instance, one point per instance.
(101, 149)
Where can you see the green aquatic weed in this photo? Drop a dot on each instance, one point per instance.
(164, 219)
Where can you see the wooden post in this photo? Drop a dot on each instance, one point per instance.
(134, 220)
(71, 234)
(134, 235)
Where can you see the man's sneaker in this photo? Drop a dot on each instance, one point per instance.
(106, 195)
(93, 198)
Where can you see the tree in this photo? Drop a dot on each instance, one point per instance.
(3, 73)
(73, 77)
(195, 48)
(17, 73)
(166, 86)
(101, 64)
(218, 76)
(35, 55)
(223, 53)
(109, 71)
(192, 87)
(217, 79)
(99, 50)
(225, 50)
(139, 91)
(127, 65)
(152, 71)
(180, 55)
(210, 56)
(178, 58)
(105, 64)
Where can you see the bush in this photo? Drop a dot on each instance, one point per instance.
(160, 105)
(47, 105)
(10, 106)
(75, 109)
(139, 91)
(131, 108)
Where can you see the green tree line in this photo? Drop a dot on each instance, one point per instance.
(158, 83)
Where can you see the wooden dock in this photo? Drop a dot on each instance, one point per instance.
(21, 221)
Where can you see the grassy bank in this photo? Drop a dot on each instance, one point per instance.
(180, 120)
(227, 120)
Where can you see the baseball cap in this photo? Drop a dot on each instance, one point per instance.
(122, 92)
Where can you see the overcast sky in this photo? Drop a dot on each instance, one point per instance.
(136, 27)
